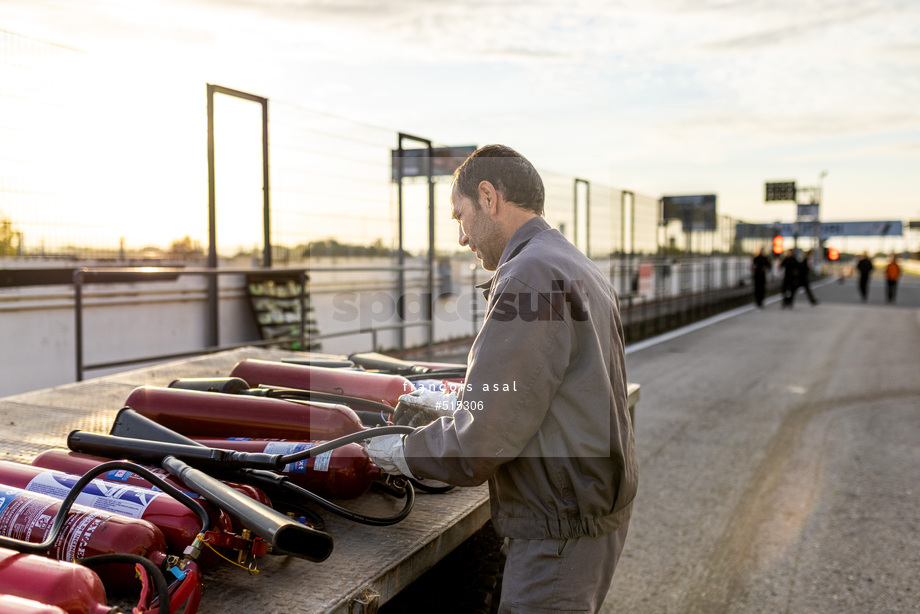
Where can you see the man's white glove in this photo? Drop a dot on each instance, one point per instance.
(424, 406)
(388, 452)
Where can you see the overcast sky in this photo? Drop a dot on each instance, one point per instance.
(656, 96)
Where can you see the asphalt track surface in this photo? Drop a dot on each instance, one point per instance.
(779, 461)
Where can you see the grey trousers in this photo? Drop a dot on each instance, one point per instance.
(544, 576)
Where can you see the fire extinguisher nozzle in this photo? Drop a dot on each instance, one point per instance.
(129, 423)
(284, 535)
(303, 541)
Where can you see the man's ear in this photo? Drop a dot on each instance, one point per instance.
(488, 197)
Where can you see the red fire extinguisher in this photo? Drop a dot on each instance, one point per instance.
(28, 516)
(65, 586)
(378, 387)
(179, 524)
(343, 473)
(209, 414)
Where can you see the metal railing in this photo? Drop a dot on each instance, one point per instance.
(372, 331)
(641, 315)
(87, 275)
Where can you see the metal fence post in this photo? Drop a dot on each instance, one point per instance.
(303, 311)
(78, 321)
(430, 302)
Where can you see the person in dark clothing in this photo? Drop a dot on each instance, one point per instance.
(760, 265)
(865, 269)
(790, 266)
(805, 274)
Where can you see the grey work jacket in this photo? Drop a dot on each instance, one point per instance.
(543, 415)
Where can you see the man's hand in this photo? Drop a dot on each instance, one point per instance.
(423, 406)
(389, 454)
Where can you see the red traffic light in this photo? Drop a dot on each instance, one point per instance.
(778, 244)
(832, 253)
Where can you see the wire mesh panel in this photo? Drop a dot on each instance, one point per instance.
(559, 204)
(38, 181)
(331, 183)
(604, 226)
(645, 225)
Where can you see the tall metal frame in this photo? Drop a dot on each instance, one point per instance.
(624, 273)
(213, 308)
(400, 301)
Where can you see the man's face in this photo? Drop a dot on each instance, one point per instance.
(477, 229)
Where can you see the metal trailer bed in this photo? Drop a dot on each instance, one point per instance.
(368, 565)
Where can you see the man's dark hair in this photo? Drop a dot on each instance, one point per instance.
(510, 172)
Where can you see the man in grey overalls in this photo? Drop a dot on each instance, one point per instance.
(543, 415)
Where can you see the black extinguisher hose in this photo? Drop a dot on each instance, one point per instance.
(338, 443)
(352, 515)
(345, 440)
(159, 580)
(360, 436)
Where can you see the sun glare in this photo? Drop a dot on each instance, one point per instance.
(109, 151)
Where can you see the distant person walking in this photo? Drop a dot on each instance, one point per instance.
(760, 265)
(865, 269)
(892, 274)
(790, 266)
(805, 268)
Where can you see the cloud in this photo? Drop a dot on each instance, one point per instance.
(908, 52)
(634, 79)
(798, 28)
(857, 152)
(450, 30)
(791, 128)
(108, 22)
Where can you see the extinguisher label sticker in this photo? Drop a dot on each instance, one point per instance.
(322, 461)
(28, 517)
(6, 497)
(22, 514)
(319, 463)
(122, 475)
(119, 498)
(79, 532)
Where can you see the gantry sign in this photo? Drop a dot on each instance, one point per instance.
(807, 213)
(787, 191)
(782, 191)
(884, 228)
(696, 212)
